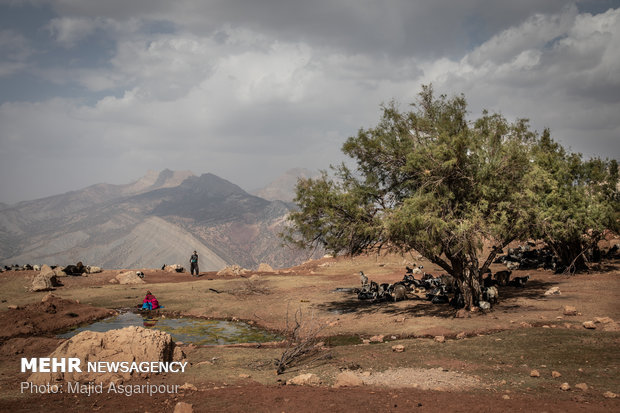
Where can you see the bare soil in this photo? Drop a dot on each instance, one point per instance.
(484, 364)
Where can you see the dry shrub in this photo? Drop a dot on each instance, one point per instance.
(303, 337)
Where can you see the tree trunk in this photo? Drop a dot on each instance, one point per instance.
(469, 284)
(571, 255)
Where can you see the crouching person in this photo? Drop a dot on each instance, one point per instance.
(150, 302)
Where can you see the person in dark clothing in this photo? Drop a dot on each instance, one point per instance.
(193, 262)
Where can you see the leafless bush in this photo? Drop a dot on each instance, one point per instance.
(302, 341)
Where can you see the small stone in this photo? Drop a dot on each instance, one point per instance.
(506, 397)
(400, 319)
(366, 374)
(603, 320)
(589, 325)
(462, 313)
(534, 373)
(377, 339)
(565, 387)
(610, 395)
(13, 307)
(556, 374)
(182, 407)
(244, 376)
(365, 341)
(188, 386)
(570, 310)
(581, 386)
(553, 291)
(399, 348)
(440, 339)
(461, 335)
(525, 324)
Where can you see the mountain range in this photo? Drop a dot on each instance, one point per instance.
(159, 219)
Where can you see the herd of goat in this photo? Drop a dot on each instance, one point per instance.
(445, 288)
(438, 290)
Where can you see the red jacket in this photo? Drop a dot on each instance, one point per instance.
(151, 299)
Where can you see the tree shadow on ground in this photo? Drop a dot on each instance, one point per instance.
(532, 289)
(418, 307)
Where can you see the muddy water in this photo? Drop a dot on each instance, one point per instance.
(187, 330)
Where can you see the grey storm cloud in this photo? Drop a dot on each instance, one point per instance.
(102, 91)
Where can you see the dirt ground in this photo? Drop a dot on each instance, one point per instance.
(484, 362)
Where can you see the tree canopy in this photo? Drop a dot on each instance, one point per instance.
(432, 181)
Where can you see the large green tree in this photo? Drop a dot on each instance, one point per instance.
(428, 180)
(577, 201)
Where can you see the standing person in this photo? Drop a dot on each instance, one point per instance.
(193, 262)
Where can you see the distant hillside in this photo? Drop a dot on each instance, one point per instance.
(159, 219)
(283, 187)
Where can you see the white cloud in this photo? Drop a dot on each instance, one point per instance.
(15, 50)
(561, 71)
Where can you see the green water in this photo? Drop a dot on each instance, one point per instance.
(187, 330)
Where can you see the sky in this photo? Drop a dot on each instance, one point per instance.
(98, 91)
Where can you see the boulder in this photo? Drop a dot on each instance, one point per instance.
(377, 339)
(589, 325)
(347, 379)
(174, 268)
(581, 386)
(440, 339)
(59, 272)
(47, 270)
(553, 291)
(399, 348)
(130, 344)
(262, 267)
(233, 270)
(44, 282)
(534, 373)
(570, 310)
(556, 374)
(182, 407)
(308, 379)
(129, 277)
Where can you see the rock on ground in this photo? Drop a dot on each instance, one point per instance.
(262, 267)
(182, 407)
(44, 282)
(308, 379)
(347, 379)
(233, 270)
(129, 277)
(130, 344)
(553, 291)
(570, 310)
